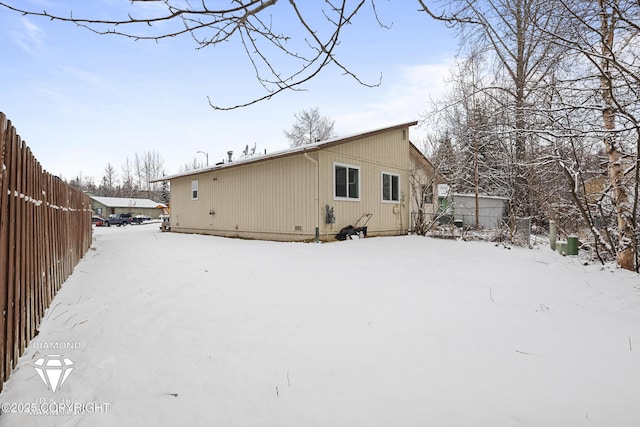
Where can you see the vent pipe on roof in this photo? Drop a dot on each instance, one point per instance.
(230, 156)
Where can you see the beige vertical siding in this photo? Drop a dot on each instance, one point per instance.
(386, 152)
(271, 198)
(284, 198)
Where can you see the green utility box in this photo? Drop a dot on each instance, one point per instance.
(572, 245)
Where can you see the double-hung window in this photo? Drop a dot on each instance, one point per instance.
(390, 187)
(346, 182)
(194, 189)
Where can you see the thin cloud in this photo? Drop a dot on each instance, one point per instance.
(405, 99)
(91, 78)
(28, 36)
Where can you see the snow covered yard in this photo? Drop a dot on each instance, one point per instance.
(169, 329)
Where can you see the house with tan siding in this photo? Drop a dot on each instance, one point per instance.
(105, 206)
(304, 193)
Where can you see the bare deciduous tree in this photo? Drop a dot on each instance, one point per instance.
(247, 22)
(192, 165)
(543, 120)
(424, 179)
(309, 127)
(128, 188)
(605, 35)
(152, 166)
(523, 55)
(108, 184)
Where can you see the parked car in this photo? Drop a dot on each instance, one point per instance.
(97, 221)
(119, 219)
(139, 219)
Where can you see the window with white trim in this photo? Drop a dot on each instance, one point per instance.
(346, 180)
(390, 187)
(194, 189)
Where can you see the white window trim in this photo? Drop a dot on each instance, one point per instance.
(382, 174)
(195, 188)
(347, 199)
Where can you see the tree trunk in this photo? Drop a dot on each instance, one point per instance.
(626, 249)
(523, 207)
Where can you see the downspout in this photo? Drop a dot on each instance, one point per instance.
(306, 156)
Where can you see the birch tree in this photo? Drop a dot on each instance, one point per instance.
(606, 36)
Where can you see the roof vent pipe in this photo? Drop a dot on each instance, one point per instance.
(230, 156)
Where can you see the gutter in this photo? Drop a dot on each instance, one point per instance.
(317, 195)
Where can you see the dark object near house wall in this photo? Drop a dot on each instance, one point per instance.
(359, 229)
(330, 216)
(349, 231)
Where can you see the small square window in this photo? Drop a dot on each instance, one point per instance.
(194, 189)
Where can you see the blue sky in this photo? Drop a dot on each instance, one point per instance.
(82, 100)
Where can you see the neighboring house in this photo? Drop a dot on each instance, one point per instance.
(304, 193)
(105, 206)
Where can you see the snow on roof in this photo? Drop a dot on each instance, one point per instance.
(482, 196)
(124, 202)
(443, 190)
(286, 152)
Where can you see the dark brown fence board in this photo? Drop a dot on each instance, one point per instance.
(21, 253)
(4, 228)
(45, 229)
(17, 278)
(11, 246)
(40, 231)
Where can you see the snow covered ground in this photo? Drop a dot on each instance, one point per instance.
(168, 329)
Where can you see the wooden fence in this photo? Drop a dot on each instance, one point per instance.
(45, 228)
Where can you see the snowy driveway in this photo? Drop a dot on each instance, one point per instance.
(168, 329)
